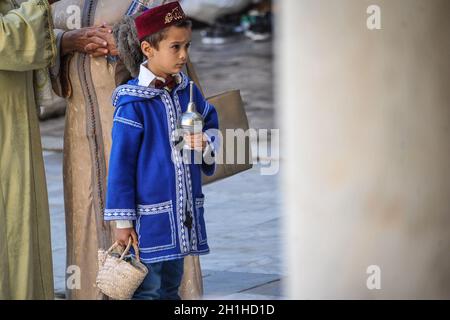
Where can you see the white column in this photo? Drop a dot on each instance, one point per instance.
(365, 130)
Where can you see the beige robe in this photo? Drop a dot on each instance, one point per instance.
(26, 43)
(88, 83)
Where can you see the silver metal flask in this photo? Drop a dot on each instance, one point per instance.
(191, 120)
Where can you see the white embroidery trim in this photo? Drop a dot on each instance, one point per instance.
(118, 214)
(128, 122)
(154, 208)
(206, 110)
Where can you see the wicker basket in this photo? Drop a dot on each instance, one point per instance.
(117, 278)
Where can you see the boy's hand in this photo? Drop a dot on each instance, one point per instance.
(122, 236)
(196, 141)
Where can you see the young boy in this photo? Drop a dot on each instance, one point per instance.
(153, 195)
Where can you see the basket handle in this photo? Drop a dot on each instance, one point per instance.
(130, 242)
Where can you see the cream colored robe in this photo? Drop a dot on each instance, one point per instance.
(26, 43)
(88, 83)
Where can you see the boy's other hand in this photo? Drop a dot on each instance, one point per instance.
(196, 141)
(123, 235)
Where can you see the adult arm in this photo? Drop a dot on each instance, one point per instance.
(27, 41)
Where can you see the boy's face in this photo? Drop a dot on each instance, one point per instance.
(172, 52)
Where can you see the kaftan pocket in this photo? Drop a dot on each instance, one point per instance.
(155, 227)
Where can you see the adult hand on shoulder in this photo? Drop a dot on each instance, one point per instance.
(123, 235)
(96, 41)
(102, 38)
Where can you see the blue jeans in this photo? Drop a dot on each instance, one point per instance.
(162, 281)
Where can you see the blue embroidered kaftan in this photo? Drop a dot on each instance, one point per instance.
(148, 182)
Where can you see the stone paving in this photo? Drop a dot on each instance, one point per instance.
(242, 212)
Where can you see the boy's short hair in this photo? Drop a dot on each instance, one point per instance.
(155, 38)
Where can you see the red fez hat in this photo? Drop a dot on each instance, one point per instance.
(158, 18)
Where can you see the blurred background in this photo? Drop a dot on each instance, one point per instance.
(362, 90)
